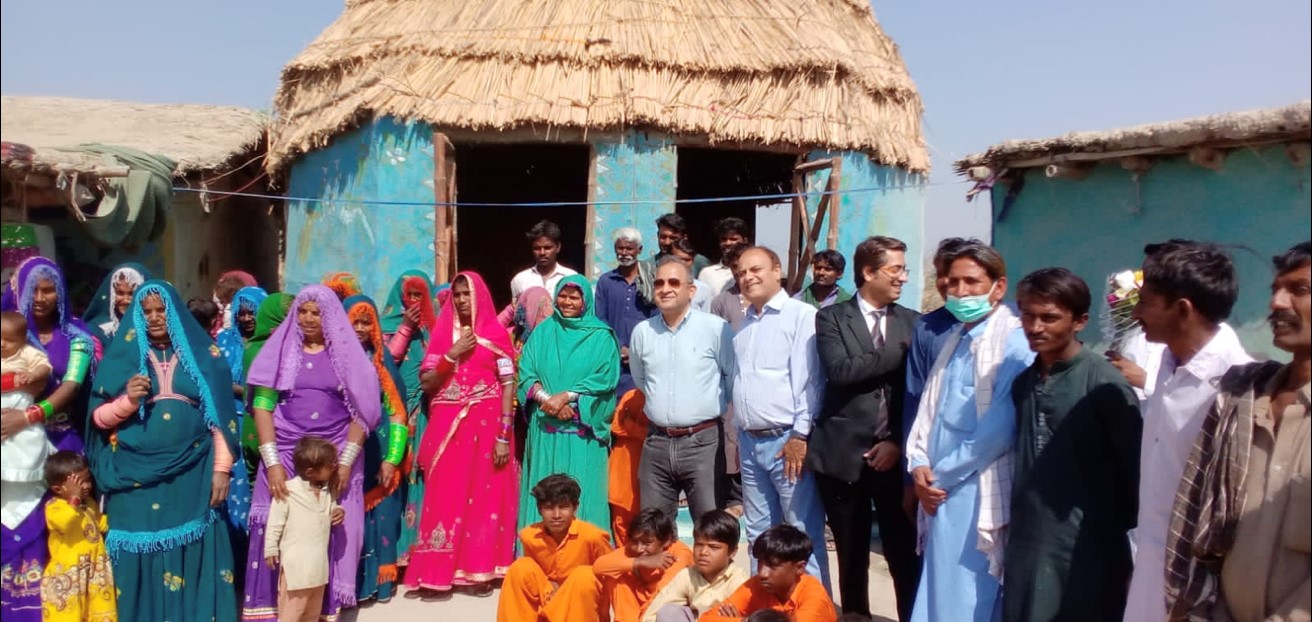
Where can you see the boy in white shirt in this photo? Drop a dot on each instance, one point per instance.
(297, 534)
(712, 577)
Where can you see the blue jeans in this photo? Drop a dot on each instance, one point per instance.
(770, 499)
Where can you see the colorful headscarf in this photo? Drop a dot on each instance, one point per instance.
(392, 389)
(267, 319)
(100, 315)
(487, 330)
(198, 357)
(230, 340)
(201, 361)
(70, 330)
(388, 375)
(575, 354)
(279, 362)
(534, 306)
(344, 284)
(394, 310)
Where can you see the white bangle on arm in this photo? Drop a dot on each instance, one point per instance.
(269, 455)
(349, 454)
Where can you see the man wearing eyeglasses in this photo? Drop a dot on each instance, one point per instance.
(682, 360)
(856, 440)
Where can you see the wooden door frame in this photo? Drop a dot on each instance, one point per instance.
(805, 233)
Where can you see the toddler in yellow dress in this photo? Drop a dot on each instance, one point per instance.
(78, 584)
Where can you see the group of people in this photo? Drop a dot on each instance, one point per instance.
(276, 456)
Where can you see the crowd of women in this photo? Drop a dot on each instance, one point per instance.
(187, 423)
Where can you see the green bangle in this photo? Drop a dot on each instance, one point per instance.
(396, 439)
(46, 408)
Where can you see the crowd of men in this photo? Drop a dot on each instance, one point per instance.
(1012, 471)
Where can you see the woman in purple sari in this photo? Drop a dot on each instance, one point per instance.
(40, 295)
(311, 378)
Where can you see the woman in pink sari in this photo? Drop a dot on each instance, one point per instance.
(467, 528)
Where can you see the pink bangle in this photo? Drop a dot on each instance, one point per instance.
(124, 406)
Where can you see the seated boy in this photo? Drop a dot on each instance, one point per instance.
(632, 575)
(712, 577)
(553, 581)
(781, 582)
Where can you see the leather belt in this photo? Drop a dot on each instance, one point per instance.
(688, 431)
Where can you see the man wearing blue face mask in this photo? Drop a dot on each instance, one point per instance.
(959, 449)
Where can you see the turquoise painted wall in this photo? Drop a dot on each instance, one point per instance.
(627, 167)
(895, 210)
(1099, 225)
(384, 159)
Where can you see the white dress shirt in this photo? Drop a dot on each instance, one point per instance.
(1172, 417)
(872, 315)
(526, 279)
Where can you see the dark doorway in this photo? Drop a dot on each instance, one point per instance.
(711, 173)
(491, 239)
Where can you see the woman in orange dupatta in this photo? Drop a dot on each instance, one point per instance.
(467, 529)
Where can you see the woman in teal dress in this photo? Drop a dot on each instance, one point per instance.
(161, 443)
(383, 453)
(567, 377)
(407, 319)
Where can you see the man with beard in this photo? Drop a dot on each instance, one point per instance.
(1076, 465)
(1189, 289)
(544, 239)
(733, 236)
(624, 297)
(1241, 529)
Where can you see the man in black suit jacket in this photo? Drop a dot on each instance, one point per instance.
(855, 446)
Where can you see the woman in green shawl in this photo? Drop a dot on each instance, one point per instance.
(567, 377)
(160, 443)
(272, 311)
(407, 321)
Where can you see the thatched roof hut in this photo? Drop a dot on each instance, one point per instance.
(800, 75)
(1247, 128)
(197, 137)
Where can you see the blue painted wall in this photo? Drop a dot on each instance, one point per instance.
(896, 209)
(1100, 224)
(384, 159)
(634, 166)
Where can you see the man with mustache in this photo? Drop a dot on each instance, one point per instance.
(1241, 530)
(546, 271)
(1189, 289)
(1076, 465)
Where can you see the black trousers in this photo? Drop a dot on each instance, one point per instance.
(851, 508)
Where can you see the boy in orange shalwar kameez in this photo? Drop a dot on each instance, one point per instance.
(553, 581)
(627, 432)
(781, 582)
(631, 576)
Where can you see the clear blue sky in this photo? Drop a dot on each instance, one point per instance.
(987, 71)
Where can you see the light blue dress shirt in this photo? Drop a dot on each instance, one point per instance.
(779, 381)
(686, 372)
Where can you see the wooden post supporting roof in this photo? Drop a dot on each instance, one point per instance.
(444, 211)
(805, 233)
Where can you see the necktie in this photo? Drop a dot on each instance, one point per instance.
(877, 335)
(876, 332)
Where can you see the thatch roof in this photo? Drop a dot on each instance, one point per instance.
(198, 137)
(1252, 127)
(803, 73)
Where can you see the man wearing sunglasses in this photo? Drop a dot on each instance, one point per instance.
(682, 360)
